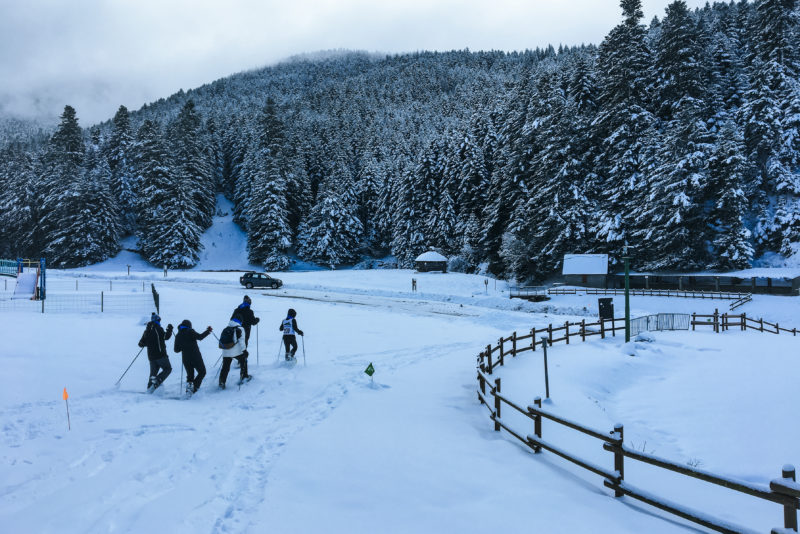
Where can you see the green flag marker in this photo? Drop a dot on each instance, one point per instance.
(370, 370)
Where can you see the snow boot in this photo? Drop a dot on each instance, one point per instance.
(288, 357)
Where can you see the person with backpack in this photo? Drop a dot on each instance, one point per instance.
(154, 338)
(289, 327)
(246, 315)
(231, 341)
(186, 343)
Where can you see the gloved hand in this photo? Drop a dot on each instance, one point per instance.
(169, 327)
(245, 353)
(255, 321)
(208, 329)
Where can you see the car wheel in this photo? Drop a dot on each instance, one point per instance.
(274, 285)
(249, 285)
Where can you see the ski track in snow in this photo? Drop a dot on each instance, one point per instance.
(249, 452)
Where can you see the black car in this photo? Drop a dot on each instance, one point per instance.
(254, 279)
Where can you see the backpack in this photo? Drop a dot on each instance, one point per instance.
(227, 338)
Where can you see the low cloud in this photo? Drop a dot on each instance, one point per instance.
(97, 55)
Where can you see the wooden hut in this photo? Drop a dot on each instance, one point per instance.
(587, 270)
(431, 261)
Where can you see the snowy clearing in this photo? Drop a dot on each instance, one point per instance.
(413, 451)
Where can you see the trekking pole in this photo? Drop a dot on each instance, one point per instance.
(257, 344)
(220, 356)
(278, 356)
(126, 370)
(304, 349)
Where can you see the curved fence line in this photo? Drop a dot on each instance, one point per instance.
(784, 491)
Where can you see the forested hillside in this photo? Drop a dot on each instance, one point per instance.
(681, 137)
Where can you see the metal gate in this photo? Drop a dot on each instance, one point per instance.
(659, 322)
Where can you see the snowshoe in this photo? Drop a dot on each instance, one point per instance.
(246, 379)
(222, 386)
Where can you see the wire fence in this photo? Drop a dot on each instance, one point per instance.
(100, 302)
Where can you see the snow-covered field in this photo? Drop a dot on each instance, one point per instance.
(321, 448)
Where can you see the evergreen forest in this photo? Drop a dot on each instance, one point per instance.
(680, 136)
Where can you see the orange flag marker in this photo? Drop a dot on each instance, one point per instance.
(66, 396)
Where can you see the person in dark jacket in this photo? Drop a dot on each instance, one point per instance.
(186, 343)
(246, 316)
(154, 339)
(289, 327)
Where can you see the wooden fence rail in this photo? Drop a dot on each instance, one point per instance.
(784, 491)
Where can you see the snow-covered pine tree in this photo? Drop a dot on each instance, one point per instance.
(675, 233)
(408, 240)
(90, 228)
(119, 153)
(727, 171)
(62, 168)
(625, 130)
(269, 235)
(166, 211)
(192, 167)
(331, 234)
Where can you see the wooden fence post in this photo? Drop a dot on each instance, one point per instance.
(537, 423)
(102, 305)
(496, 405)
(602, 328)
(550, 333)
(502, 352)
(489, 355)
(777, 329)
(619, 457)
(566, 331)
(514, 345)
(533, 338)
(761, 324)
(789, 511)
(724, 321)
(482, 382)
(744, 321)
(583, 329)
(716, 320)
(613, 328)
(694, 318)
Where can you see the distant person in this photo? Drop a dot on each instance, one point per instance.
(231, 341)
(186, 343)
(153, 338)
(289, 328)
(413, 284)
(246, 315)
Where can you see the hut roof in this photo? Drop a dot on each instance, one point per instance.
(431, 255)
(585, 264)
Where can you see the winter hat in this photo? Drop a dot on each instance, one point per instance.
(185, 324)
(247, 300)
(292, 313)
(155, 318)
(236, 319)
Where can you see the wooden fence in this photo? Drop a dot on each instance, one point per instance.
(722, 322)
(738, 298)
(784, 491)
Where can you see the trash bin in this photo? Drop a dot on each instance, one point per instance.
(606, 307)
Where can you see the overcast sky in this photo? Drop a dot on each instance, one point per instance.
(96, 55)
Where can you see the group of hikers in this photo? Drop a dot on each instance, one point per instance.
(233, 341)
